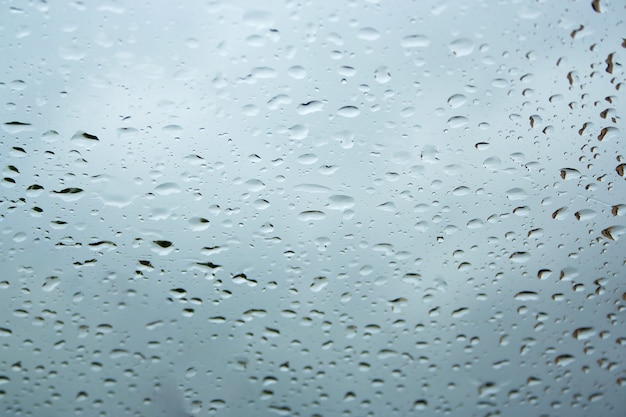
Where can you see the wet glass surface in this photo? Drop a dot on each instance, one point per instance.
(316, 208)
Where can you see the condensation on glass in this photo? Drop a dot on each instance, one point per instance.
(312, 208)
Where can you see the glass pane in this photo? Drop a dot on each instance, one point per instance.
(315, 208)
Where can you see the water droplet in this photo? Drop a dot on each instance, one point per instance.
(346, 71)
(84, 139)
(328, 169)
(298, 132)
(368, 34)
(319, 283)
(583, 333)
(340, 202)
(310, 215)
(502, 83)
(527, 296)
(585, 214)
(167, 188)
(297, 72)
(457, 100)
(250, 110)
(389, 206)
(516, 194)
(564, 360)
(312, 188)
(613, 232)
(420, 404)
(415, 41)
(255, 185)
(457, 121)
(461, 191)
(348, 111)
(520, 257)
(51, 283)
(16, 127)
(461, 47)
(560, 213)
(162, 243)
(382, 75)
(310, 107)
(307, 158)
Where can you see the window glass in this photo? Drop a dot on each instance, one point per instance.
(312, 208)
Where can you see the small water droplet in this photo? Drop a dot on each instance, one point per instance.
(457, 100)
(368, 34)
(516, 194)
(309, 215)
(583, 333)
(415, 41)
(461, 47)
(348, 111)
(457, 122)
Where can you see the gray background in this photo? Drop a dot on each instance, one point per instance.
(374, 208)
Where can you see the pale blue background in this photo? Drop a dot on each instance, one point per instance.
(384, 247)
